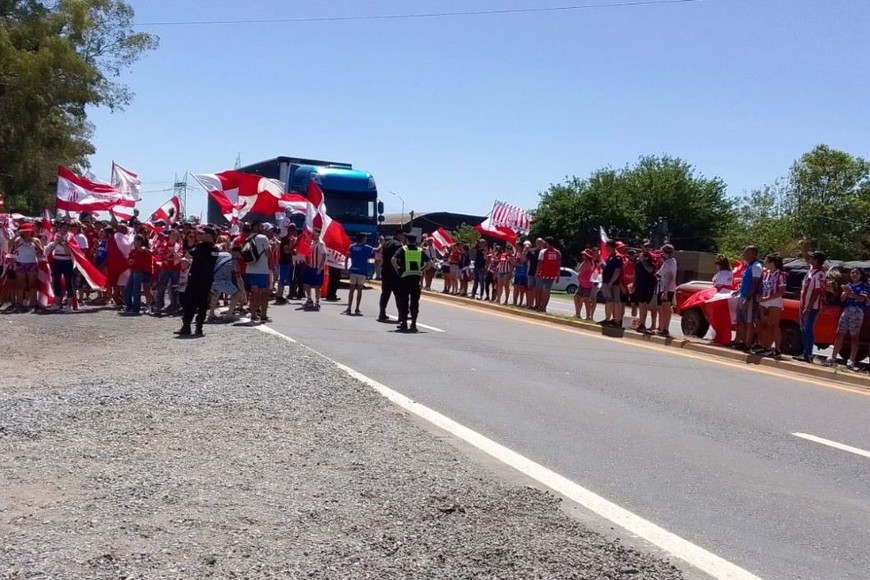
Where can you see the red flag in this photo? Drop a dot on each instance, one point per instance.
(332, 233)
(501, 233)
(76, 193)
(44, 291)
(441, 240)
(117, 250)
(95, 279)
(168, 212)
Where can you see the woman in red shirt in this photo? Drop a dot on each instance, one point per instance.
(140, 261)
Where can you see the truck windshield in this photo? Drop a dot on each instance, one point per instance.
(349, 209)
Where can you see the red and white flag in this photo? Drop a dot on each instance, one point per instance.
(501, 233)
(44, 291)
(510, 216)
(168, 212)
(240, 193)
(602, 245)
(331, 232)
(441, 240)
(45, 225)
(76, 193)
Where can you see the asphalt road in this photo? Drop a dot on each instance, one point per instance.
(701, 448)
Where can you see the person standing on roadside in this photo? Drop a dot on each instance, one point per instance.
(479, 273)
(357, 265)
(854, 298)
(389, 278)
(583, 297)
(667, 277)
(314, 272)
(409, 263)
(747, 299)
(611, 279)
(532, 254)
(773, 286)
(257, 254)
(286, 249)
(813, 290)
(645, 287)
(200, 276)
(549, 267)
(431, 251)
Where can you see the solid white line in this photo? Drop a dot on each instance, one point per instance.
(426, 326)
(678, 547)
(833, 444)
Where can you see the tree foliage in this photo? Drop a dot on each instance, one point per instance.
(658, 197)
(825, 199)
(466, 234)
(56, 59)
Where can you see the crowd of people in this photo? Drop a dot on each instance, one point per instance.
(524, 275)
(193, 271)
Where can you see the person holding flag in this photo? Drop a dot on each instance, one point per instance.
(61, 262)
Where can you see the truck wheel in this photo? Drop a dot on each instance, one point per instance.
(571, 289)
(846, 352)
(792, 341)
(694, 323)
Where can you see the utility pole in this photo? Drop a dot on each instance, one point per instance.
(238, 160)
(180, 191)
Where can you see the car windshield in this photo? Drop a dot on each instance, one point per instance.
(349, 209)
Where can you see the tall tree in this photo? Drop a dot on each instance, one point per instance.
(56, 59)
(658, 197)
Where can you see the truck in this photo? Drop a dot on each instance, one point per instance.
(351, 195)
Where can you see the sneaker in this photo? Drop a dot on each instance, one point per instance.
(852, 366)
(413, 328)
(829, 362)
(383, 319)
(280, 301)
(317, 307)
(185, 331)
(357, 312)
(346, 311)
(800, 358)
(640, 328)
(663, 333)
(198, 331)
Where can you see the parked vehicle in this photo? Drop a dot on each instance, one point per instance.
(567, 281)
(695, 321)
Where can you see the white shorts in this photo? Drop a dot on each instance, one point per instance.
(357, 280)
(772, 303)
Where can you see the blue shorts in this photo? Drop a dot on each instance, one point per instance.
(258, 280)
(544, 284)
(285, 274)
(313, 277)
(531, 282)
(521, 280)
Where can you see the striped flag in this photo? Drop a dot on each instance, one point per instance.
(168, 212)
(441, 240)
(510, 216)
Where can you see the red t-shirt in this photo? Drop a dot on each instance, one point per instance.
(140, 259)
(549, 263)
(627, 275)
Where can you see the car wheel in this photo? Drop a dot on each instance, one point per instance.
(846, 352)
(694, 323)
(571, 289)
(792, 341)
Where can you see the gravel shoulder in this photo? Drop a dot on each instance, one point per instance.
(128, 454)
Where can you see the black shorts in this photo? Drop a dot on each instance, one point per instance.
(627, 298)
(643, 295)
(666, 297)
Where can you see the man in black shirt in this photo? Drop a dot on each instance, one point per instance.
(199, 280)
(409, 263)
(532, 254)
(285, 264)
(479, 268)
(645, 287)
(389, 277)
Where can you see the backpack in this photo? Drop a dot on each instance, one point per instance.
(249, 251)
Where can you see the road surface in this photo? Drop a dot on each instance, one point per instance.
(703, 448)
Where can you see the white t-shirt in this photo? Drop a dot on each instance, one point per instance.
(723, 278)
(668, 276)
(262, 246)
(82, 241)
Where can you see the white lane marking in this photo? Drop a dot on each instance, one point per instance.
(426, 326)
(833, 444)
(678, 547)
(273, 332)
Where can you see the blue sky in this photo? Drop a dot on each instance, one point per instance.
(454, 112)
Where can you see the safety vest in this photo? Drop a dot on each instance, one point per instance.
(413, 262)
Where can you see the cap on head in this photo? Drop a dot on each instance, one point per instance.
(667, 249)
(411, 238)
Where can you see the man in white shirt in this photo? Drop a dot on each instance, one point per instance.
(667, 276)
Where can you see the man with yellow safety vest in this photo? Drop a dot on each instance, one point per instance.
(409, 263)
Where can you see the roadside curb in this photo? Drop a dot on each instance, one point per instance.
(815, 371)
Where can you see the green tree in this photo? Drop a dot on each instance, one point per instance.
(762, 221)
(56, 59)
(658, 197)
(466, 234)
(829, 199)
